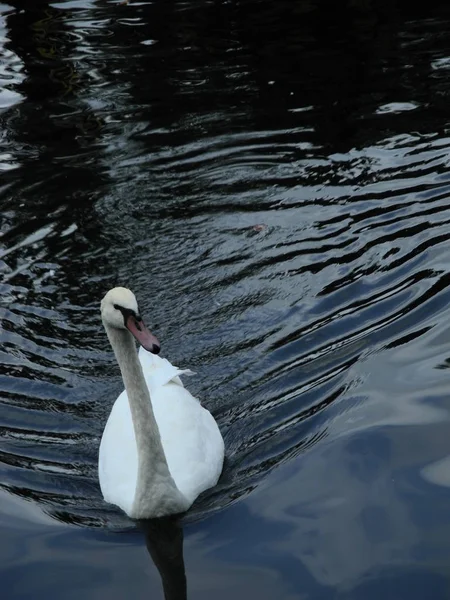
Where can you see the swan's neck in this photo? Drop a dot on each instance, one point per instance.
(155, 488)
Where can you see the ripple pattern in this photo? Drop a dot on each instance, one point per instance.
(276, 236)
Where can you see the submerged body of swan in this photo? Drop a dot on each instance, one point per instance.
(160, 447)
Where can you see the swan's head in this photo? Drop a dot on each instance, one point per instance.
(120, 310)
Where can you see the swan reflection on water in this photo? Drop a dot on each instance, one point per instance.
(164, 541)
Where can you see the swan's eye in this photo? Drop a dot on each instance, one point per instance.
(116, 306)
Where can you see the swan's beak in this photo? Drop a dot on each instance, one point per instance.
(136, 326)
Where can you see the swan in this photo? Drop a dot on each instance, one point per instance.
(160, 448)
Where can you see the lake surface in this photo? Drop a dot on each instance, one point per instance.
(272, 180)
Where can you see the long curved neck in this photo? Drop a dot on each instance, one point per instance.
(156, 491)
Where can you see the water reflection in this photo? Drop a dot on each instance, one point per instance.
(11, 76)
(164, 541)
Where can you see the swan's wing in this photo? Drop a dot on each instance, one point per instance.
(118, 460)
(191, 439)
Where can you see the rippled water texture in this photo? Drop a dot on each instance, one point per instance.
(272, 180)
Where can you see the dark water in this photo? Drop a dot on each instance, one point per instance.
(272, 180)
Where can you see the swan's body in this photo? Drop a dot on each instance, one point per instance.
(160, 448)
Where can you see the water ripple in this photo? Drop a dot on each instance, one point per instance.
(273, 251)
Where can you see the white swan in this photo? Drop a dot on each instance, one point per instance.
(160, 448)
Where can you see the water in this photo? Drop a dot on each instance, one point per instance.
(272, 181)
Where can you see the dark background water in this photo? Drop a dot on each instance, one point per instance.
(272, 181)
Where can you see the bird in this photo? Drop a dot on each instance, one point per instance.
(160, 448)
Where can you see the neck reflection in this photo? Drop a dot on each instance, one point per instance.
(164, 541)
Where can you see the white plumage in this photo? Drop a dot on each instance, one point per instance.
(190, 438)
